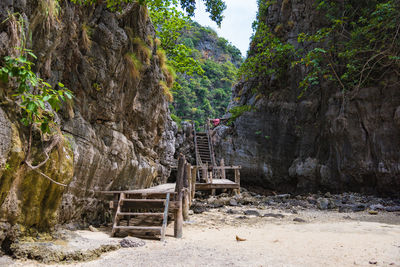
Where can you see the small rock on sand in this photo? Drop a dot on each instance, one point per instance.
(233, 202)
(299, 220)
(252, 212)
(92, 228)
(274, 215)
(132, 242)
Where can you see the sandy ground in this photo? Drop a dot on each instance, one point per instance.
(325, 239)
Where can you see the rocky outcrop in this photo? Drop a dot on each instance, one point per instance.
(321, 141)
(117, 132)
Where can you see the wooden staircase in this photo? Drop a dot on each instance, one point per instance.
(143, 213)
(204, 151)
(203, 148)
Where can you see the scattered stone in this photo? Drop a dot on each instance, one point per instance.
(274, 215)
(241, 217)
(233, 202)
(373, 262)
(132, 242)
(299, 220)
(358, 207)
(92, 228)
(393, 209)
(252, 212)
(373, 212)
(199, 207)
(231, 211)
(191, 212)
(294, 211)
(322, 203)
(311, 200)
(282, 196)
(347, 217)
(377, 207)
(328, 195)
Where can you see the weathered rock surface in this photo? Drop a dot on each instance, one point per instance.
(118, 132)
(132, 242)
(309, 144)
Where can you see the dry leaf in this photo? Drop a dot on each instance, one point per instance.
(240, 239)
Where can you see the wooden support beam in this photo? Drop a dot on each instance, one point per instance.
(178, 223)
(191, 185)
(204, 187)
(237, 180)
(223, 173)
(204, 172)
(193, 189)
(185, 200)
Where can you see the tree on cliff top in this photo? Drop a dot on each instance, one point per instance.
(213, 7)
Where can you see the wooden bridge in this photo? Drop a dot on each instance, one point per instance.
(147, 211)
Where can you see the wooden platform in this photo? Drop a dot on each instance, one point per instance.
(217, 184)
(159, 189)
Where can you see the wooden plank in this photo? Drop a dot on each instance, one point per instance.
(173, 205)
(143, 203)
(147, 228)
(165, 218)
(208, 186)
(227, 167)
(150, 195)
(140, 214)
(116, 218)
(159, 189)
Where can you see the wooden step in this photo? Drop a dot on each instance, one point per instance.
(147, 195)
(143, 203)
(140, 214)
(146, 228)
(173, 205)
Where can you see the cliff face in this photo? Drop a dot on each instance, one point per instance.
(325, 140)
(117, 134)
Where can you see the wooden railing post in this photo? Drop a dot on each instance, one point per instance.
(204, 172)
(237, 180)
(193, 189)
(186, 184)
(178, 223)
(223, 173)
(211, 181)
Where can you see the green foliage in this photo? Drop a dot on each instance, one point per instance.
(269, 55)
(213, 7)
(202, 85)
(358, 47)
(237, 111)
(169, 31)
(32, 91)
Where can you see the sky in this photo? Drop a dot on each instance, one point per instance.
(236, 26)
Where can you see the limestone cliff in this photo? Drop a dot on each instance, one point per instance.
(324, 140)
(117, 134)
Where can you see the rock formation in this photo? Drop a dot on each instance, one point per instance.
(117, 133)
(320, 141)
